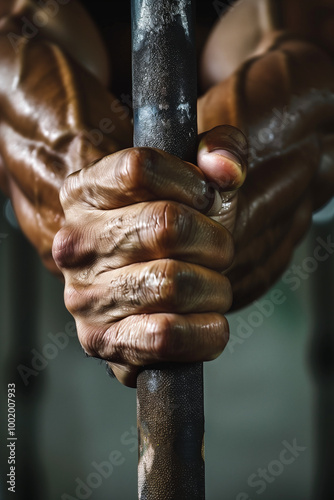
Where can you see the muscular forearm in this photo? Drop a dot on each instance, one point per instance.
(249, 28)
(64, 23)
(55, 118)
(278, 100)
(284, 103)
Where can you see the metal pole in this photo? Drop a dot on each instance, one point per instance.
(169, 397)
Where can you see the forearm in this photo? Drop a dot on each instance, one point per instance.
(279, 100)
(55, 118)
(284, 103)
(249, 27)
(64, 23)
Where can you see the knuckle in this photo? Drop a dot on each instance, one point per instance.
(138, 167)
(173, 222)
(163, 285)
(77, 299)
(169, 279)
(93, 340)
(63, 247)
(71, 299)
(126, 289)
(161, 332)
(73, 247)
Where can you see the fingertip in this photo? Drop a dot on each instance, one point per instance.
(222, 156)
(223, 168)
(126, 375)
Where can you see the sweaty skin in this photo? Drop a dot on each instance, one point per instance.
(154, 251)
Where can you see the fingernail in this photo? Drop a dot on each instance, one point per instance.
(226, 154)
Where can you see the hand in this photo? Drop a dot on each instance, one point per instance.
(141, 257)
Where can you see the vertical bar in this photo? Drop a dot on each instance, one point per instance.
(164, 75)
(170, 406)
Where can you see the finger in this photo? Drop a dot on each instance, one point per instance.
(145, 339)
(158, 286)
(135, 175)
(126, 374)
(222, 157)
(143, 232)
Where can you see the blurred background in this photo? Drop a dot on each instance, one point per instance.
(269, 399)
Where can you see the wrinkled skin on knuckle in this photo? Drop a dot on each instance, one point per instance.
(124, 292)
(71, 299)
(160, 338)
(166, 224)
(169, 339)
(93, 339)
(80, 300)
(158, 286)
(136, 291)
(73, 247)
(184, 289)
(63, 247)
(137, 171)
(115, 232)
(166, 283)
(124, 342)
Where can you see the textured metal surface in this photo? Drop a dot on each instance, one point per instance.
(169, 398)
(164, 75)
(171, 433)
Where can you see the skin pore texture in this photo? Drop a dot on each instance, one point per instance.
(153, 250)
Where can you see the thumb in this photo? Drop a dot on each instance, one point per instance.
(222, 157)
